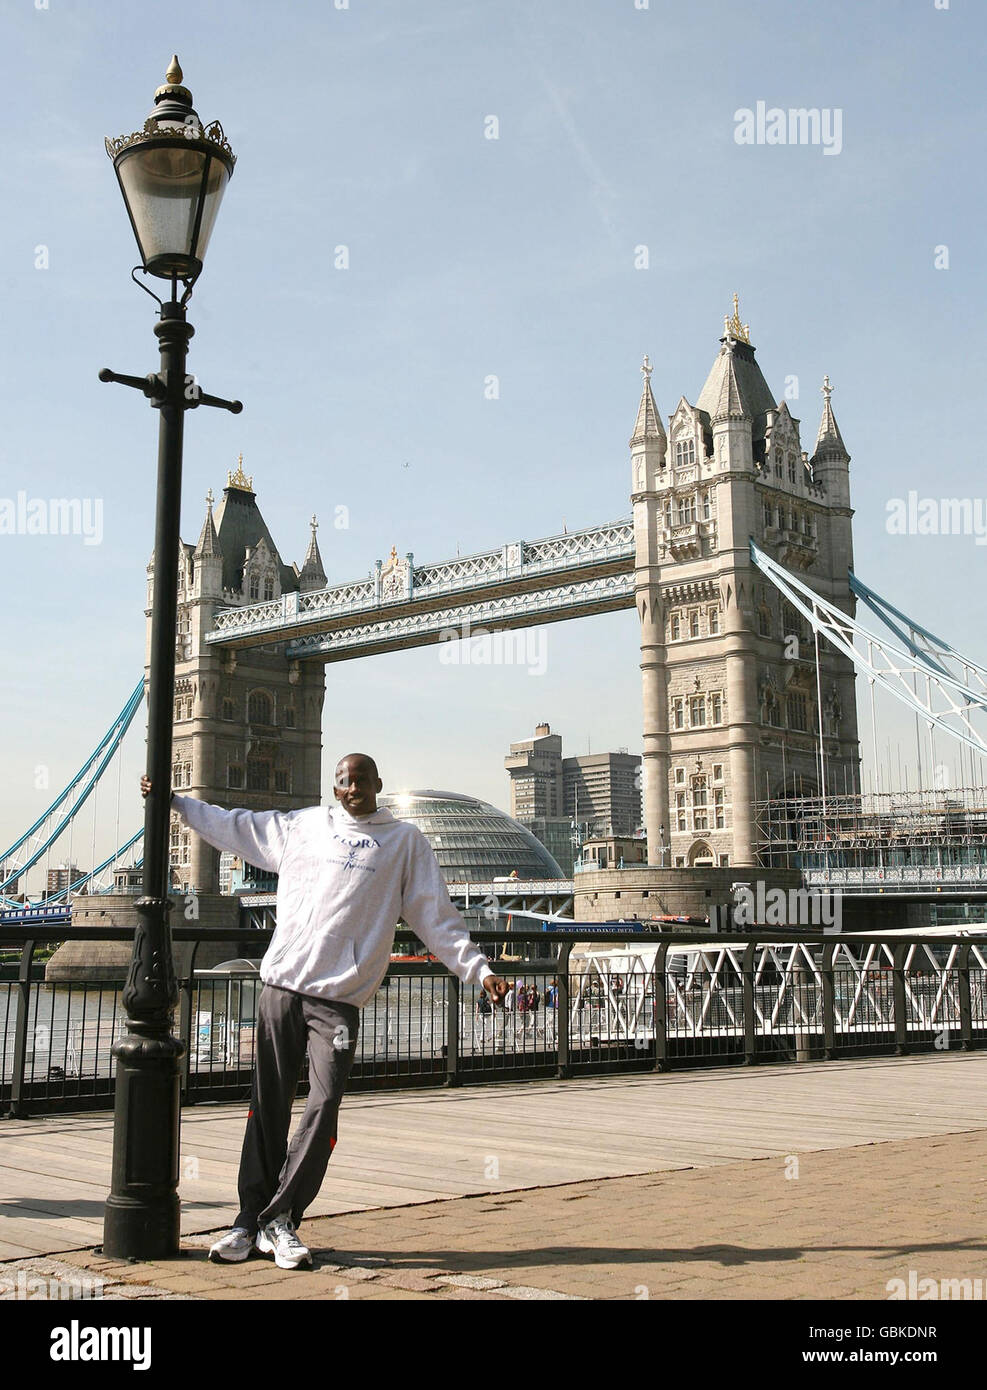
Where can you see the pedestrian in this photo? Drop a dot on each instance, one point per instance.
(346, 874)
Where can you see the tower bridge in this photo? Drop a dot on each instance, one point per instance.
(738, 559)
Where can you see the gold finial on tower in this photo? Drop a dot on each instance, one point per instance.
(239, 478)
(733, 328)
(174, 74)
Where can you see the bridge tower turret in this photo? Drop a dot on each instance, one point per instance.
(649, 446)
(247, 724)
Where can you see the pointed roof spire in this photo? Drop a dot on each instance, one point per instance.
(735, 388)
(312, 575)
(208, 539)
(829, 440)
(729, 401)
(648, 424)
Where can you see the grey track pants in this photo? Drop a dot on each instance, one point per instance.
(276, 1178)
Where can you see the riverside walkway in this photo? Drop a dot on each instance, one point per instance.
(815, 1180)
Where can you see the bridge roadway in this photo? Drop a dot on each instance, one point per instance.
(402, 605)
(554, 897)
(812, 1180)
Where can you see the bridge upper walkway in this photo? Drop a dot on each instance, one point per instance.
(401, 605)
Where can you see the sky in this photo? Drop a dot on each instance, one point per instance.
(368, 125)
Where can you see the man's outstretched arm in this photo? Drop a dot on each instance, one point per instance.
(429, 912)
(257, 836)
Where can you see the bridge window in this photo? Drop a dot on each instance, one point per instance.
(675, 627)
(714, 621)
(680, 812)
(258, 775)
(697, 711)
(796, 710)
(680, 774)
(254, 587)
(678, 712)
(794, 623)
(772, 711)
(700, 804)
(791, 468)
(687, 510)
(707, 508)
(227, 709)
(282, 779)
(268, 590)
(718, 808)
(717, 772)
(694, 623)
(764, 622)
(685, 453)
(289, 717)
(234, 775)
(716, 708)
(769, 516)
(260, 709)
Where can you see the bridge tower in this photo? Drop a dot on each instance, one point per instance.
(731, 690)
(248, 724)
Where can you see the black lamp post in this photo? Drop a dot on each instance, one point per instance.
(173, 174)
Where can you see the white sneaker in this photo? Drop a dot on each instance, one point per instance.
(236, 1245)
(278, 1238)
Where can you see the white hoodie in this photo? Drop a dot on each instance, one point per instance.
(343, 883)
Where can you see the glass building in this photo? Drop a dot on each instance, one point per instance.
(472, 840)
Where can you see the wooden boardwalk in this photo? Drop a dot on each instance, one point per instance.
(403, 1147)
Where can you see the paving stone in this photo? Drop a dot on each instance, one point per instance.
(470, 1281)
(526, 1291)
(405, 1279)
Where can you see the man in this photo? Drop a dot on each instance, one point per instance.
(346, 875)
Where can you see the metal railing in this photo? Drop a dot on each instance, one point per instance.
(610, 1005)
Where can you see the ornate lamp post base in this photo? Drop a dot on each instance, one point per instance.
(142, 1214)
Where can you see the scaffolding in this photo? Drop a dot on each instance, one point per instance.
(935, 829)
